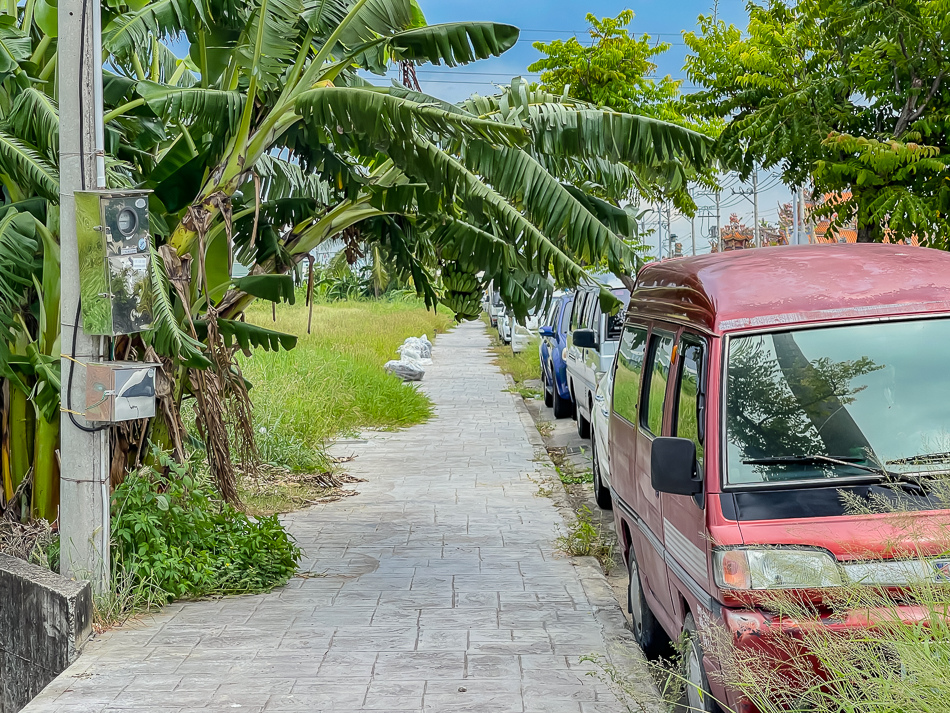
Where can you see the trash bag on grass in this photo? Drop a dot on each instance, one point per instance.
(406, 369)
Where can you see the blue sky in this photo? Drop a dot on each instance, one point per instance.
(547, 20)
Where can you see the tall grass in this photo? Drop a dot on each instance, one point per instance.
(897, 662)
(333, 383)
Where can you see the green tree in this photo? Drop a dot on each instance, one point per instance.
(617, 70)
(850, 95)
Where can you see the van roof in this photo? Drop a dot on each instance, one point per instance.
(795, 284)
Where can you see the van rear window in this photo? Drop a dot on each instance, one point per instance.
(867, 401)
(629, 368)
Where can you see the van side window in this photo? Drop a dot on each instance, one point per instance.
(568, 309)
(629, 368)
(687, 400)
(590, 305)
(554, 315)
(658, 373)
(576, 312)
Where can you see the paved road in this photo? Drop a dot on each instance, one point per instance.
(436, 589)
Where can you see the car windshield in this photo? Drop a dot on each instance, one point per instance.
(838, 402)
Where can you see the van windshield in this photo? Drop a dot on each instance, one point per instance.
(838, 402)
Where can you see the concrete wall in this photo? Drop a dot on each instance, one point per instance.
(45, 620)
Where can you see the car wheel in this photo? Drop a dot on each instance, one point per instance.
(583, 425)
(562, 406)
(548, 390)
(646, 628)
(601, 493)
(697, 697)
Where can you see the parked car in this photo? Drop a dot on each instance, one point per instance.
(755, 393)
(520, 334)
(600, 440)
(503, 323)
(557, 394)
(586, 362)
(495, 308)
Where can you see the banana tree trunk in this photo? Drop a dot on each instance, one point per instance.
(46, 470)
(21, 436)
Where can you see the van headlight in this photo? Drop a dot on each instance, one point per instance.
(775, 568)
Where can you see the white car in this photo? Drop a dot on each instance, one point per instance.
(496, 308)
(591, 344)
(520, 334)
(600, 440)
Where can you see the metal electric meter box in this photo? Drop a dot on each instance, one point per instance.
(120, 391)
(112, 229)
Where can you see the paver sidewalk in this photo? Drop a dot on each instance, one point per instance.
(436, 589)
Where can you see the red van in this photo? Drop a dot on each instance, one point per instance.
(751, 390)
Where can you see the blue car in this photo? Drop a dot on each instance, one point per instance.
(553, 333)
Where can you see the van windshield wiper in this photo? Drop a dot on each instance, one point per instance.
(850, 461)
(886, 476)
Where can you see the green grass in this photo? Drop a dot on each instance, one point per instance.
(522, 367)
(333, 384)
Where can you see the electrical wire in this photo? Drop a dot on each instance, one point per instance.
(69, 380)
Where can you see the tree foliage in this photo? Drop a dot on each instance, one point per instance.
(850, 95)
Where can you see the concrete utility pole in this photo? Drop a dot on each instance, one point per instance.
(755, 207)
(84, 455)
(692, 232)
(718, 229)
(659, 230)
(795, 240)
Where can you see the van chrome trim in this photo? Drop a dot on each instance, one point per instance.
(680, 546)
(695, 588)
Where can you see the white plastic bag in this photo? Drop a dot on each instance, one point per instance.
(406, 369)
(426, 346)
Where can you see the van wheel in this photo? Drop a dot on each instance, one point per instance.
(548, 391)
(562, 407)
(601, 494)
(583, 426)
(697, 696)
(646, 628)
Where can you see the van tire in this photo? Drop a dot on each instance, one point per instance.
(548, 392)
(697, 696)
(646, 629)
(601, 494)
(562, 406)
(583, 425)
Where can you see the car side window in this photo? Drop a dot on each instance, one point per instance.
(658, 374)
(688, 405)
(629, 368)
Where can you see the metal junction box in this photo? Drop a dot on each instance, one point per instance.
(120, 391)
(112, 229)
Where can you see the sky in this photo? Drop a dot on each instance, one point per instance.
(663, 20)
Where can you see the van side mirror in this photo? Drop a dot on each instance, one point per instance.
(673, 467)
(585, 339)
(546, 331)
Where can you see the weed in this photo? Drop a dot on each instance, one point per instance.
(640, 694)
(583, 539)
(545, 428)
(173, 538)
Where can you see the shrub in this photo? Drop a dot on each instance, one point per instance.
(172, 534)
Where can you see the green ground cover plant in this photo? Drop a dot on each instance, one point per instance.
(333, 383)
(174, 538)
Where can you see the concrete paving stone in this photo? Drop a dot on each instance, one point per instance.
(440, 575)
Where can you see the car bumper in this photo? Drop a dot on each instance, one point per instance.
(752, 630)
